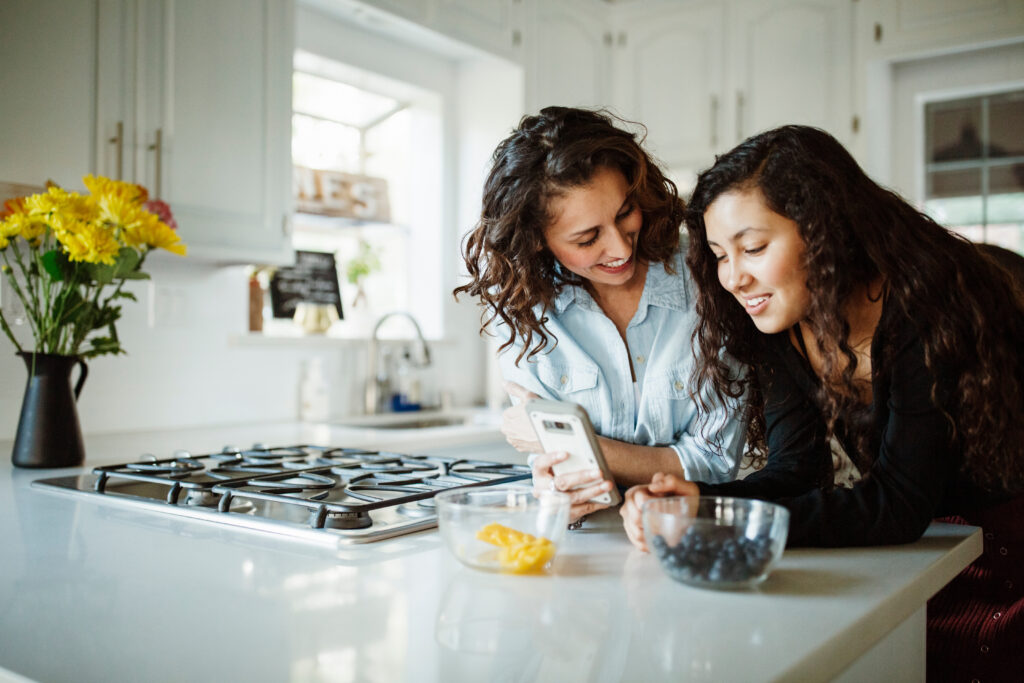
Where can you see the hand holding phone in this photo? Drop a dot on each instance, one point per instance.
(564, 426)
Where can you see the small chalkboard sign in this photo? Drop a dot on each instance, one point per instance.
(313, 278)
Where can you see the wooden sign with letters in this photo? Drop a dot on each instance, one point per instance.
(346, 195)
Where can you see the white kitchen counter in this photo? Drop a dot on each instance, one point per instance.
(90, 592)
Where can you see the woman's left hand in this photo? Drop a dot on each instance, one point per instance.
(632, 509)
(515, 423)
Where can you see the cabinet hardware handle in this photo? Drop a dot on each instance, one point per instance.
(714, 122)
(118, 142)
(158, 148)
(878, 32)
(739, 116)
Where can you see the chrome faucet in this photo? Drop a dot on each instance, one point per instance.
(378, 379)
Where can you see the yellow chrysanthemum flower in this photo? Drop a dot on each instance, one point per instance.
(54, 200)
(120, 211)
(148, 231)
(101, 187)
(90, 242)
(29, 228)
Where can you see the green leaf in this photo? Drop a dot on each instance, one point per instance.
(101, 345)
(127, 263)
(100, 272)
(123, 295)
(135, 275)
(52, 265)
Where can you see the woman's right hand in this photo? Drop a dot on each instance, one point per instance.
(632, 509)
(544, 479)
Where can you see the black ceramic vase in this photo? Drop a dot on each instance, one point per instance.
(48, 431)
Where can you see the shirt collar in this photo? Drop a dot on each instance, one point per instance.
(660, 289)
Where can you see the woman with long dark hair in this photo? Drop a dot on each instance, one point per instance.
(864, 320)
(576, 261)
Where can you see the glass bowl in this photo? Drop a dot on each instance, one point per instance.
(715, 542)
(503, 528)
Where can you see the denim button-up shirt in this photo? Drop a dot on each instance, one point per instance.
(589, 366)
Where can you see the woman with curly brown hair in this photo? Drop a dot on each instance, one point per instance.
(863, 319)
(576, 260)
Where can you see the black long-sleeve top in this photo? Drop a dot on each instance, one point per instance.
(915, 475)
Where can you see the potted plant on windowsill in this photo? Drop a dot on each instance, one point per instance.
(67, 257)
(365, 263)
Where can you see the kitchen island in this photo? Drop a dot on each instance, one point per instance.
(94, 592)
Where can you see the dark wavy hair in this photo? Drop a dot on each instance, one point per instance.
(854, 231)
(511, 269)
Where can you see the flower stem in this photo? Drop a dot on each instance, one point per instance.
(30, 311)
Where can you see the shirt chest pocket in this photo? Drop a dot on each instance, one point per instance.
(567, 381)
(673, 383)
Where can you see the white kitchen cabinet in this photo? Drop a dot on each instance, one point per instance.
(489, 25)
(48, 91)
(568, 52)
(701, 76)
(908, 28)
(195, 103)
(790, 62)
(190, 98)
(493, 25)
(669, 76)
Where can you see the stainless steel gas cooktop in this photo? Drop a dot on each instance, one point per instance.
(322, 494)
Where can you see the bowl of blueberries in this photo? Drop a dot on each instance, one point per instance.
(715, 542)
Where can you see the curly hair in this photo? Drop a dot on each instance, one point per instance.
(511, 269)
(855, 231)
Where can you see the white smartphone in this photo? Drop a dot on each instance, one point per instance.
(565, 426)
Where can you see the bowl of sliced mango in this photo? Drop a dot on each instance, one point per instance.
(503, 528)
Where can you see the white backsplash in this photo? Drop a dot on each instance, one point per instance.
(188, 365)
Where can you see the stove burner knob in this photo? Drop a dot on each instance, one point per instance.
(259, 446)
(230, 449)
(181, 454)
(147, 457)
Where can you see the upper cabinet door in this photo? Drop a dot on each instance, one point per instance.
(791, 63)
(48, 91)
(213, 138)
(668, 76)
(488, 24)
(568, 58)
(908, 28)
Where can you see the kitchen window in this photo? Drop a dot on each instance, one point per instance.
(974, 166)
(351, 123)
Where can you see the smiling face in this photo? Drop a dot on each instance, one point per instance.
(595, 229)
(760, 259)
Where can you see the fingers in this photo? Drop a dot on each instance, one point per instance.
(518, 391)
(518, 430)
(632, 514)
(542, 463)
(663, 484)
(524, 446)
(580, 496)
(577, 511)
(543, 476)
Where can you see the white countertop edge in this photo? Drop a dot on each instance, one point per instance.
(835, 655)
